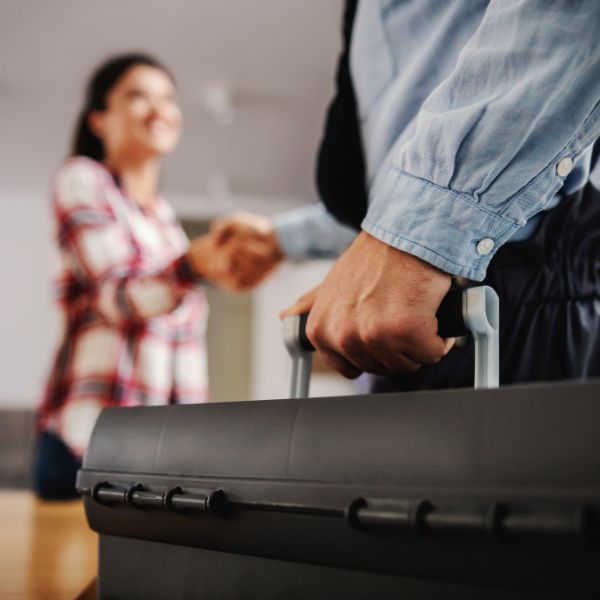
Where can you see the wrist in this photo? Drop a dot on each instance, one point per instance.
(197, 256)
(276, 249)
(425, 282)
(194, 264)
(192, 267)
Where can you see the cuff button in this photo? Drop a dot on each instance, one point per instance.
(564, 166)
(485, 246)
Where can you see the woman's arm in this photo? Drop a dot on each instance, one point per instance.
(102, 253)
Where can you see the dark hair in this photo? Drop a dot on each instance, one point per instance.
(106, 76)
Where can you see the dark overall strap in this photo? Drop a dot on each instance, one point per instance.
(340, 168)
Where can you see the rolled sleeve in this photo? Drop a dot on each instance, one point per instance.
(495, 142)
(456, 232)
(439, 225)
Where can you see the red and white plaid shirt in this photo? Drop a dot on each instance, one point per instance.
(134, 318)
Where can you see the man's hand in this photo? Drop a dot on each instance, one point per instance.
(248, 249)
(376, 311)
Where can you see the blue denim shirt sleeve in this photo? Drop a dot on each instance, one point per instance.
(494, 142)
(311, 232)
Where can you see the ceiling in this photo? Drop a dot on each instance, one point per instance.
(275, 57)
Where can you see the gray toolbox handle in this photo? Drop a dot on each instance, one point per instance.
(474, 310)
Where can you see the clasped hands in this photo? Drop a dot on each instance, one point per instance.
(374, 312)
(240, 251)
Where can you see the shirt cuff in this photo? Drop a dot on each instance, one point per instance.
(290, 232)
(448, 229)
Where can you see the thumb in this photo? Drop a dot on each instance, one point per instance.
(302, 305)
(449, 344)
(221, 230)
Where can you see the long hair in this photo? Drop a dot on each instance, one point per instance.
(103, 80)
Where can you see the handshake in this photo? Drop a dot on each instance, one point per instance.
(240, 251)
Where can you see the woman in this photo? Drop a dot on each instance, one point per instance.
(134, 320)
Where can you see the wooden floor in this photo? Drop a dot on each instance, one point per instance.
(46, 548)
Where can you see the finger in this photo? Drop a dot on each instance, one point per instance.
(222, 231)
(241, 253)
(367, 364)
(387, 354)
(253, 253)
(449, 344)
(422, 344)
(302, 305)
(249, 270)
(427, 352)
(355, 351)
(228, 255)
(235, 283)
(247, 281)
(335, 346)
(220, 265)
(258, 247)
(378, 359)
(407, 364)
(339, 364)
(391, 359)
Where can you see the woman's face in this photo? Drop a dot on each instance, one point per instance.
(142, 118)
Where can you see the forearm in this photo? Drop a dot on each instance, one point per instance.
(134, 299)
(495, 141)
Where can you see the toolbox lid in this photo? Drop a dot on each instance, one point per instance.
(522, 435)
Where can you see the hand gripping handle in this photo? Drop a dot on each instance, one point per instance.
(474, 310)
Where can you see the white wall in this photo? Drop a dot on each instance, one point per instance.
(28, 321)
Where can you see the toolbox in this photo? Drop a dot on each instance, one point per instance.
(483, 493)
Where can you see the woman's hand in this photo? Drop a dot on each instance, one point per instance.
(247, 250)
(201, 255)
(239, 253)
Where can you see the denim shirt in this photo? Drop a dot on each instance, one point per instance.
(311, 232)
(475, 117)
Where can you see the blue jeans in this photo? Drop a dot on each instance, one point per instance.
(54, 468)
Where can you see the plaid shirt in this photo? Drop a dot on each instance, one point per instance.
(134, 319)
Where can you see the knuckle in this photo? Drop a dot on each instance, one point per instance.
(438, 355)
(433, 351)
(411, 367)
(405, 329)
(378, 369)
(346, 341)
(371, 336)
(351, 373)
(315, 333)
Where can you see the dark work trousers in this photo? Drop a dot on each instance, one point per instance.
(549, 289)
(54, 468)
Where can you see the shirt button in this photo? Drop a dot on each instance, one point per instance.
(564, 166)
(485, 246)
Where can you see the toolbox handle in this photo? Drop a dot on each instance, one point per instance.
(473, 310)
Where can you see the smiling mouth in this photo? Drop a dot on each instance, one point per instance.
(159, 127)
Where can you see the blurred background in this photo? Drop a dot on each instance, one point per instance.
(255, 78)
